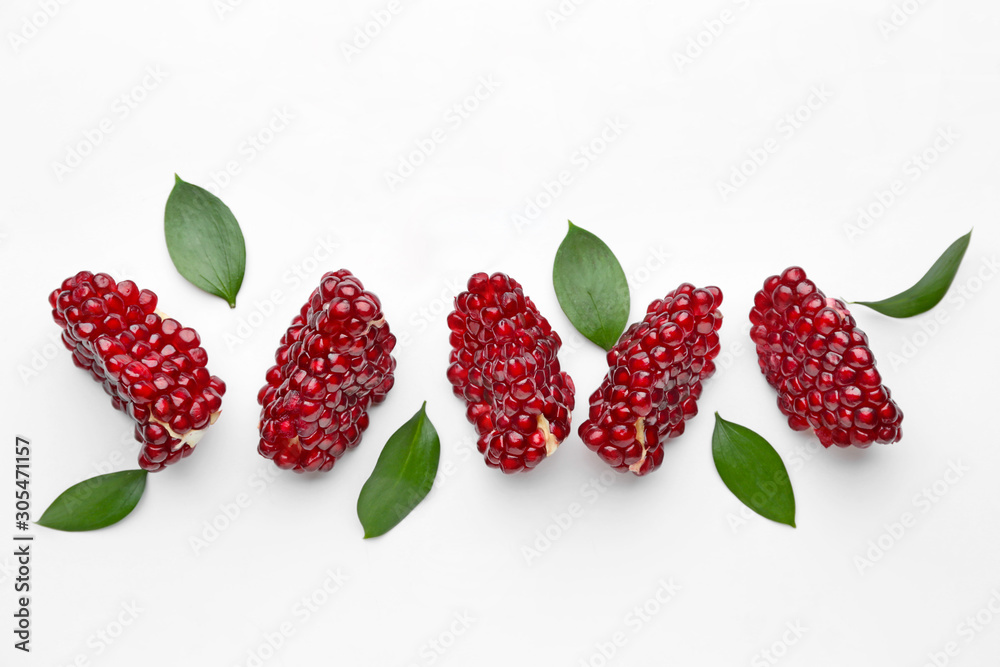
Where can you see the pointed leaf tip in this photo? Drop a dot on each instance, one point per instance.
(930, 289)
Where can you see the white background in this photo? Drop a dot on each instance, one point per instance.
(862, 595)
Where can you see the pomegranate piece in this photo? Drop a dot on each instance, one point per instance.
(811, 351)
(655, 371)
(333, 364)
(152, 367)
(504, 364)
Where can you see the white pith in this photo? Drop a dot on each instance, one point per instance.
(550, 440)
(192, 437)
(640, 437)
(373, 323)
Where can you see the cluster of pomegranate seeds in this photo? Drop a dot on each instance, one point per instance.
(504, 364)
(151, 366)
(334, 362)
(812, 352)
(654, 379)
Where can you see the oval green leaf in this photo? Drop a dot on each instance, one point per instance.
(403, 475)
(753, 471)
(96, 502)
(204, 240)
(930, 289)
(591, 287)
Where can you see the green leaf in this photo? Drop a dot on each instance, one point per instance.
(753, 471)
(204, 240)
(930, 289)
(402, 477)
(591, 287)
(96, 502)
